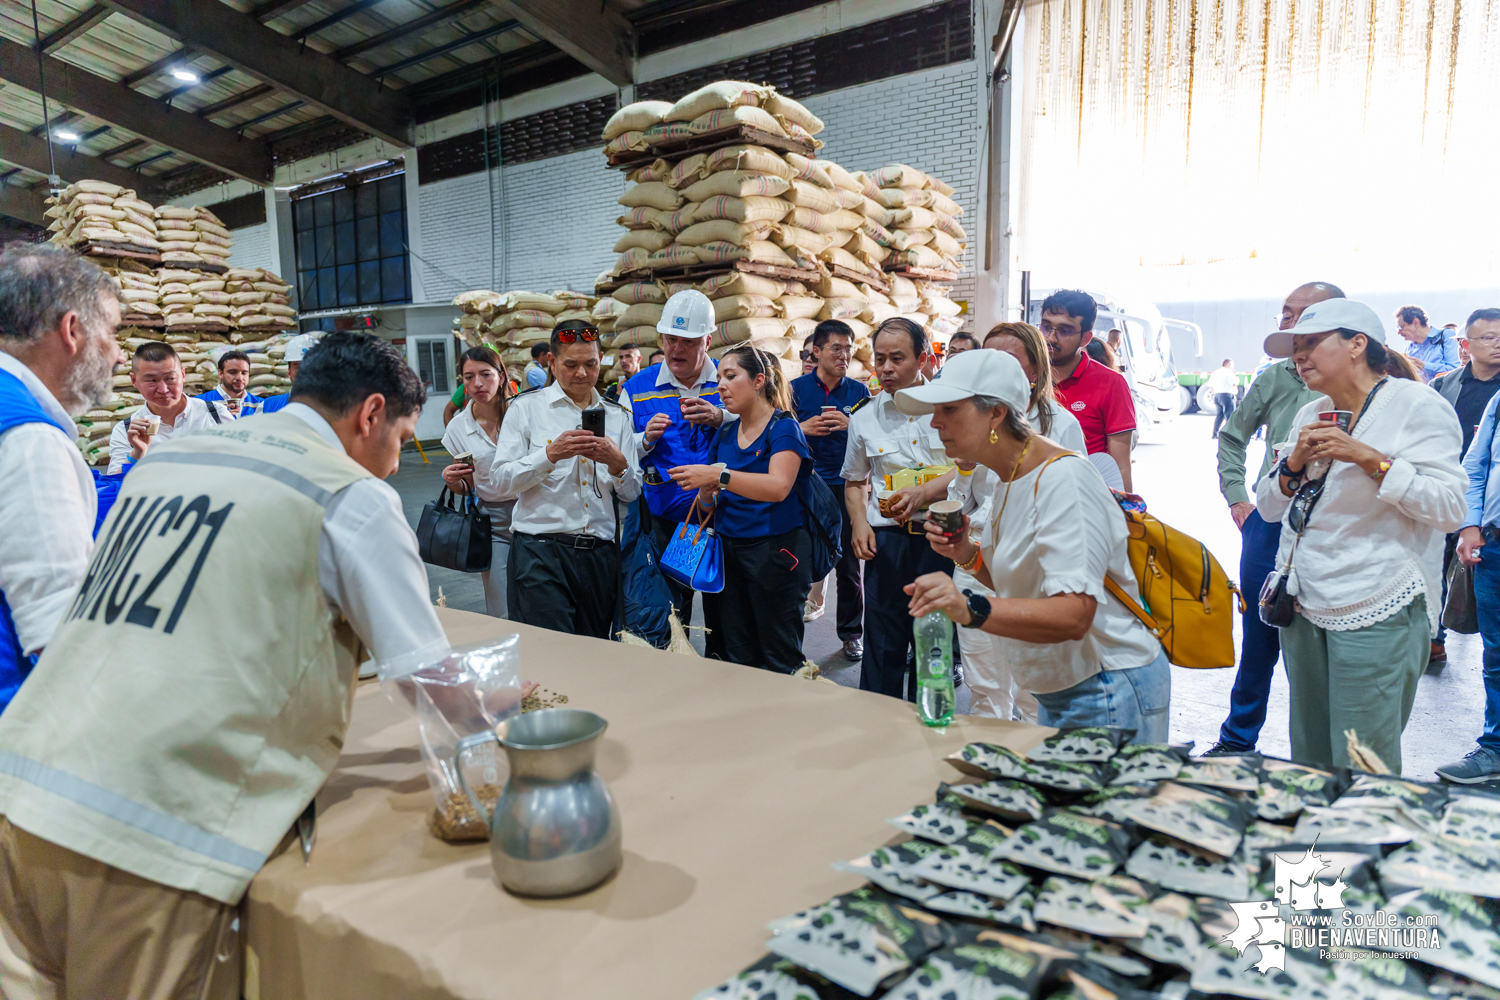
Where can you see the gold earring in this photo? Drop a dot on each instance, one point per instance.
(994, 438)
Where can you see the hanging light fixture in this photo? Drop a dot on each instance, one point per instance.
(185, 75)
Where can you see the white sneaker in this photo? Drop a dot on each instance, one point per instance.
(811, 612)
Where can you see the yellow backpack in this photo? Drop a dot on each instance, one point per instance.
(1189, 601)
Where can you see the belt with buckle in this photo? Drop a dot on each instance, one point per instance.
(575, 541)
(1490, 532)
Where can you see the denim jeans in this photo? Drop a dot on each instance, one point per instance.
(1260, 646)
(1487, 599)
(1138, 698)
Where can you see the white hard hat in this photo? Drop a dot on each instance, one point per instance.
(687, 314)
(298, 346)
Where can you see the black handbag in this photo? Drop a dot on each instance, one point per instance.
(1461, 612)
(456, 538)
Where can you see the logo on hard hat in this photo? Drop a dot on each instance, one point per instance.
(679, 321)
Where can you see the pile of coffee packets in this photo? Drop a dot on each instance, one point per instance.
(1095, 869)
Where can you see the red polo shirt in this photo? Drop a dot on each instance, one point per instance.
(1100, 398)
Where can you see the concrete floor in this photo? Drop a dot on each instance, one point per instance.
(1175, 470)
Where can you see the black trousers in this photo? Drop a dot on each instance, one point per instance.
(889, 650)
(682, 597)
(849, 571)
(553, 584)
(766, 581)
(1224, 403)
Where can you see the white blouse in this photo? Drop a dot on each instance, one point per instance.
(976, 489)
(1058, 532)
(1370, 548)
(464, 434)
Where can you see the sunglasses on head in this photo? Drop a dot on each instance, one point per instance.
(587, 335)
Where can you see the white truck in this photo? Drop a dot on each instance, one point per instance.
(1144, 348)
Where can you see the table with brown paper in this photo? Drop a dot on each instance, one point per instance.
(737, 788)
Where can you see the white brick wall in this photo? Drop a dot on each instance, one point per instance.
(557, 216)
(252, 248)
(559, 213)
(929, 120)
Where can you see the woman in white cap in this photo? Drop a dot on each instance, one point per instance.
(1053, 534)
(1366, 486)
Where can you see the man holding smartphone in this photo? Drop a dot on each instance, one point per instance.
(564, 452)
(823, 399)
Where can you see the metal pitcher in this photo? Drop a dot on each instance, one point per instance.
(555, 829)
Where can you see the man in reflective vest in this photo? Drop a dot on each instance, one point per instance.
(58, 315)
(154, 760)
(677, 414)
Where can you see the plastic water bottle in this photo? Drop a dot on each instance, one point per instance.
(934, 639)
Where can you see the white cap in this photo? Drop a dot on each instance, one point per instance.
(298, 346)
(1321, 317)
(687, 314)
(973, 373)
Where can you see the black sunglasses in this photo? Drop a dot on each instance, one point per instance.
(1302, 503)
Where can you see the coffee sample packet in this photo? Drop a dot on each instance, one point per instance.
(988, 760)
(772, 978)
(970, 864)
(1081, 744)
(887, 867)
(1472, 819)
(1198, 816)
(1369, 975)
(1148, 762)
(1172, 864)
(1012, 800)
(1353, 826)
(1172, 935)
(859, 939)
(1100, 952)
(1220, 970)
(1286, 787)
(1015, 911)
(1066, 776)
(1438, 863)
(981, 964)
(1419, 802)
(1468, 927)
(1069, 844)
(1239, 773)
(943, 821)
(1109, 907)
(1114, 803)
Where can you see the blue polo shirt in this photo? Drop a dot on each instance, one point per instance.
(738, 517)
(809, 396)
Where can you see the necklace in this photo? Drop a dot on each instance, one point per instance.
(995, 523)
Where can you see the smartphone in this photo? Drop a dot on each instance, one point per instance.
(593, 420)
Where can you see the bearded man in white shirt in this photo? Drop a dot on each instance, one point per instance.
(58, 316)
(156, 373)
(564, 570)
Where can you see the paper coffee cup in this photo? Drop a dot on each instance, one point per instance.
(948, 515)
(1344, 418)
(883, 500)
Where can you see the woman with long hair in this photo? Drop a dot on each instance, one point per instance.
(1366, 485)
(1055, 532)
(764, 456)
(472, 433)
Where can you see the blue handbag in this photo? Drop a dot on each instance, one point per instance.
(695, 555)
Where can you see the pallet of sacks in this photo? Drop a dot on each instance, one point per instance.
(926, 233)
(511, 322)
(98, 217)
(190, 236)
(269, 375)
(95, 424)
(715, 110)
(259, 301)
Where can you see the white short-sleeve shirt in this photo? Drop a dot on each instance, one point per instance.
(1058, 530)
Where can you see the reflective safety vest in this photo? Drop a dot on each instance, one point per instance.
(195, 696)
(682, 444)
(17, 406)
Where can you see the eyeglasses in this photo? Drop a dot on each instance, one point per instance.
(1489, 340)
(588, 334)
(1048, 330)
(806, 356)
(1302, 503)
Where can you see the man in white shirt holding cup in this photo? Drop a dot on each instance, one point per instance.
(156, 373)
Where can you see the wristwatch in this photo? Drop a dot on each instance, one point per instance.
(979, 610)
(724, 478)
(1294, 478)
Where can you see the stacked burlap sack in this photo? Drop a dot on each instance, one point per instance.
(95, 424)
(259, 301)
(720, 105)
(100, 212)
(192, 236)
(511, 322)
(922, 217)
